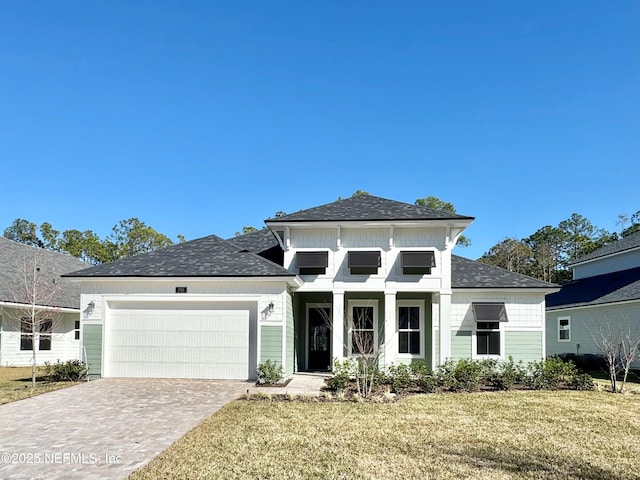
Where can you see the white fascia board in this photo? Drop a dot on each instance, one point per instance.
(462, 223)
(288, 279)
(40, 307)
(541, 290)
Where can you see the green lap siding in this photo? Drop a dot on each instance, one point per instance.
(290, 347)
(271, 344)
(92, 342)
(525, 346)
(460, 344)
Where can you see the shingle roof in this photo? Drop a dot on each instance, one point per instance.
(204, 257)
(257, 242)
(13, 256)
(608, 288)
(467, 273)
(625, 243)
(367, 208)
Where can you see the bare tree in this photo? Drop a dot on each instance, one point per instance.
(620, 347)
(365, 355)
(34, 309)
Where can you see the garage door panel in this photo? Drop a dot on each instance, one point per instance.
(173, 343)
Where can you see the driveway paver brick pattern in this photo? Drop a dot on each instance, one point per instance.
(104, 429)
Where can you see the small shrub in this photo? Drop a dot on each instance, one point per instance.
(69, 371)
(342, 373)
(400, 377)
(460, 376)
(549, 374)
(269, 373)
(582, 381)
(586, 362)
(504, 375)
(423, 377)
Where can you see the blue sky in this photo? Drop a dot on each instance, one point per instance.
(202, 117)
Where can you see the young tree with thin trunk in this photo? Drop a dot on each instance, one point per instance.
(620, 347)
(35, 304)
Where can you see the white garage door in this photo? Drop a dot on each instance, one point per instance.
(177, 343)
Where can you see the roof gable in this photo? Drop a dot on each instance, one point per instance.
(367, 208)
(50, 263)
(204, 257)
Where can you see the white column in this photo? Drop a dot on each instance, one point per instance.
(390, 332)
(445, 326)
(337, 339)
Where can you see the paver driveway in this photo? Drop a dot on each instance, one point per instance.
(104, 429)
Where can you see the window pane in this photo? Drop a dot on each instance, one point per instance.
(403, 339)
(362, 342)
(45, 342)
(414, 314)
(77, 334)
(494, 343)
(404, 318)
(415, 342)
(46, 326)
(77, 325)
(564, 322)
(363, 317)
(482, 343)
(25, 325)
(25, 342)
(564, 334)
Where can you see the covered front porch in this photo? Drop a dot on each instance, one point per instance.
(397, 327)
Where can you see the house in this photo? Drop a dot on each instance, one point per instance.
(603, 295)
(362, 275)
(59, 305)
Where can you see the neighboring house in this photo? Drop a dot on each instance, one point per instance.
(603, 295)
(59, 332)
(301, 290)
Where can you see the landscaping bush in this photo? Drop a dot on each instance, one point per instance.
(423, 377)
(504, 375)
(400, 377)
(550, 374)
(269, 373)
(586, 362)
(460, 376)
(342, 373)
(69, 371)
(582, 381)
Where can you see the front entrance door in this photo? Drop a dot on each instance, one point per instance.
(319, 337)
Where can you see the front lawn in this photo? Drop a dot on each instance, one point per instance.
(498, 435)
(15, 384)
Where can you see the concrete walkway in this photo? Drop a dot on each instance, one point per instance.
(104, 429)
(301, 383)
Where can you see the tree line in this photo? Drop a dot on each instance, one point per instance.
(547, 253)
(127, 238)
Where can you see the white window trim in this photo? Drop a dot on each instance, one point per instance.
(411, 303)
(363, 303)
(474, 343)
(567, 328)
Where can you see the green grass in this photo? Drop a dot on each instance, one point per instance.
(508, 435)
(15, 384)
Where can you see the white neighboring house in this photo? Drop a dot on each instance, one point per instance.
(299, 291)
(59, 339)
(604, 293)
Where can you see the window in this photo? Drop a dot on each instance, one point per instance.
(26, 338)
(363, 327)
(46, 329)
(488, 338)
(364, 263)
(76, 330)
(417, 263)
(181, 289)
(489, 316)
(564, 329)
(410, 328)
(312, 263)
